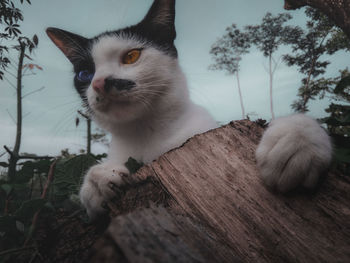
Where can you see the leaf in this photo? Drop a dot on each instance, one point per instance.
(342, 155)
(342, 87)
(49, 206)
(29, 208)
(3, 164)
(28, 57)
(133, 165)
(35, 40)
(69, 174)
(341, 141)
(20, 226)
(7, 188)
(7, 222)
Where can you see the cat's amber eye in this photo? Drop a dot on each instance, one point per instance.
(131, 56)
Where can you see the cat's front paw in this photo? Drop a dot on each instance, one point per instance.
(101, 184)
(293, 151)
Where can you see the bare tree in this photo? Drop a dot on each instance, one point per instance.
(227, 53)
(268, 36)
(25, 45)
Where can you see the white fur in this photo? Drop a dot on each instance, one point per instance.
(157, 116)
(294, 151)
(153, 118)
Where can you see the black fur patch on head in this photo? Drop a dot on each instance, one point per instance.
(157, 28)
(81, 65)
(78, 50)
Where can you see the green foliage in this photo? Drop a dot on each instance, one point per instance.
(343, 88)
(10, 16)
(133, 165)
(21, 198)
(271, 33)
(68, 176)
(227, 51)
(338, 123)
(308, 47)
(3, 164)
(29, 208)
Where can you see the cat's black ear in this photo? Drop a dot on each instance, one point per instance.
(161, 20)
(72, 45)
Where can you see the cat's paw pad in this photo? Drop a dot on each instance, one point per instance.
(101, 184)
(294, 151)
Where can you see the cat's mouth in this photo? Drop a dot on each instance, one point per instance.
(105, 102)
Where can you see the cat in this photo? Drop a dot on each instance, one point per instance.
(131, 83)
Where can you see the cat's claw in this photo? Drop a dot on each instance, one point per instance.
(294, 151)
(102, 183)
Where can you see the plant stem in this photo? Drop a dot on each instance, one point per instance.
(43, 196)
(14, 157)
(240, 95)
(271, 82)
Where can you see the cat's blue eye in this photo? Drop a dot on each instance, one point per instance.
(85, 76)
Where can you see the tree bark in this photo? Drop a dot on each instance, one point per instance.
(204, 202)
(337, 10)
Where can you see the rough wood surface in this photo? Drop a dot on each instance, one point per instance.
(336, 10)
(217, 210)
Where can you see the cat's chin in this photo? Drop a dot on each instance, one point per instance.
(117, 111)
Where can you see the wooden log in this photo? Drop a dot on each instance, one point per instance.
(208, 204)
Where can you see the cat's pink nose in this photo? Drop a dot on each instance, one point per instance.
(99, 85)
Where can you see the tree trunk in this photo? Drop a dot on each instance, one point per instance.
(88, 131)
(271, 86)
(337, 10)
(205, 202)
(240, 96)
(14, 156)
(88, 148)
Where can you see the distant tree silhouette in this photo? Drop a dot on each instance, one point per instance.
(268, 37)
(227, 53)
(10, 16)
(336, 10)
(321, 37)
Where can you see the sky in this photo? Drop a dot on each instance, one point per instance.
(49, 123)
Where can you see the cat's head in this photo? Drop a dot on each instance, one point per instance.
(123, 74)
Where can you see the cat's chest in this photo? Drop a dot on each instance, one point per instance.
(145, 145)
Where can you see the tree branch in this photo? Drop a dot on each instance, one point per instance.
(10, 83)
(29, 157)
(32, 92)
(8, 150)
(10, 73)
(32, 157)
(13, 119)
(84, 115)
(336, 10)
